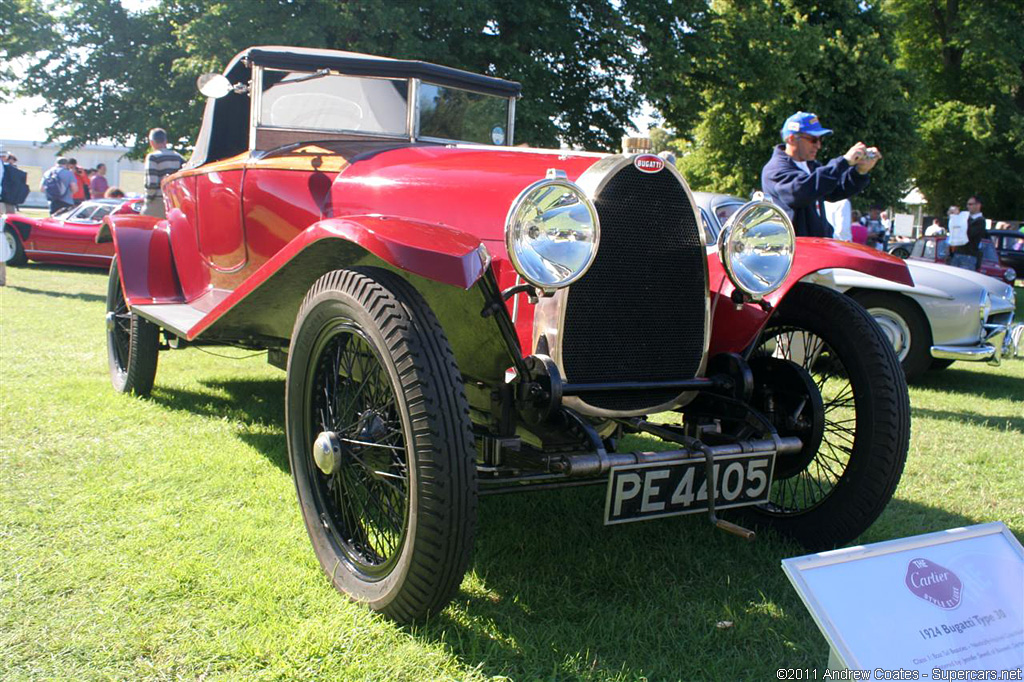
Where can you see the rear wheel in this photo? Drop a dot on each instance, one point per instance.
(133, 343)
(380, 443)
(833, 490)
(14, 247)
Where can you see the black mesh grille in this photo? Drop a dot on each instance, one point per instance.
(638, 313)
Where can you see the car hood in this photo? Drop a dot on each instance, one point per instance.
(465, 187)
(937, 272)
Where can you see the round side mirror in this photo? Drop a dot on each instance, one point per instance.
(213, 85)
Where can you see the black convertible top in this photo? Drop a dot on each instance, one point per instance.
(356, 64)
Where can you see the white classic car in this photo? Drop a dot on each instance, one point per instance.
(949, 314)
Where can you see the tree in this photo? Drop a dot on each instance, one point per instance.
(114, 74)
(726, 74)
(969, 57)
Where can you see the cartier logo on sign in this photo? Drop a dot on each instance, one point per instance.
(649, 163)
(933, 583)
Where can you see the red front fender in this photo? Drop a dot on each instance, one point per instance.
(733, 330)
(142, 247)
(435, 252)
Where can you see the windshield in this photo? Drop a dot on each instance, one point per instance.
(453, 114)
(330, 102)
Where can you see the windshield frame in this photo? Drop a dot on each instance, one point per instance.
(412, 110)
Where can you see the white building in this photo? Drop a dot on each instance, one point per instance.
(36, 157)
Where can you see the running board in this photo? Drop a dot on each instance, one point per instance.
(174, 317)
(181, 318)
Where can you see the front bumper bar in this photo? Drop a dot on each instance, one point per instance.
(596, 464)
(1000, 340)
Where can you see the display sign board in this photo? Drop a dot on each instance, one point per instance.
(903, 225)
(958, 229)
(935, 604)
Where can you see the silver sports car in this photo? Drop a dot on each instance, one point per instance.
(949, 314)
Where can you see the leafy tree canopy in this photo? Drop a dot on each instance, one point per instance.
(969, 57)
(727, 74)
(108, 73)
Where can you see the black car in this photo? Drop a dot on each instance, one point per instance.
(1010, 246)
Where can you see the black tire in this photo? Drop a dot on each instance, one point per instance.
(906, 327)
(371, 373)
(19, 257)
(133, 343)
(901, 252)
(836, 492)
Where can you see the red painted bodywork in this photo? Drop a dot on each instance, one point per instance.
(235, 224)
(62, 241)
(733, 330)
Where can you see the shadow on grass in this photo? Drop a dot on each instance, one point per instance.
(257, 405)
(998, 422)
(59, 294)
(966, 382)
(641, 600)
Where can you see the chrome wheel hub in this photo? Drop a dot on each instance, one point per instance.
(895, 329)
(327, 452)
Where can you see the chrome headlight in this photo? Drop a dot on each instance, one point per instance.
(552, 233)
(756, 247)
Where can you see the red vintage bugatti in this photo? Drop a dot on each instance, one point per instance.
(461, 317)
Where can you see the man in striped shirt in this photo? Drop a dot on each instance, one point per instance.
(160, 163)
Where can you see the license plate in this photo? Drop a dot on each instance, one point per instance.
(638, 492)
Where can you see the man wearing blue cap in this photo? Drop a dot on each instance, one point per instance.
(801, 185)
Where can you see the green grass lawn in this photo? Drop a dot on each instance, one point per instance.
(161, 538)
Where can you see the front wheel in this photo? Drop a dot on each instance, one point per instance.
(380, 443)
(905, 326)
(133, 343)
(855, 420)
(14, 248)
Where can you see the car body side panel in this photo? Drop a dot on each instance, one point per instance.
(735, 329)
(278, 204)
(147, 271)
(431, 251)
(182, 217)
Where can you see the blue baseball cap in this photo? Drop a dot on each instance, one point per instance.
(803, 122)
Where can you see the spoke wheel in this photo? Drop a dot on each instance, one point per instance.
(133, 344)
(362, 492)
(827, 497)
(380, 443)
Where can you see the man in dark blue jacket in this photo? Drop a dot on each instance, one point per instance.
(800, 184)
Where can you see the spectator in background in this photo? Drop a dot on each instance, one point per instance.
(875, 225)
(975, 230)
(114, 193)
(81, 182)
(160, 163)
(935, 229)
(858, 233)
(98, 185)
(59, 185)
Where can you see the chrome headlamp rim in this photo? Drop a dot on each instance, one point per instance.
(729, 230)
(557, 179)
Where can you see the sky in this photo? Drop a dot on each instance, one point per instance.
(18, 122)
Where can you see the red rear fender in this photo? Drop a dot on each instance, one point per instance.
(143, 251)
(733, 330)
